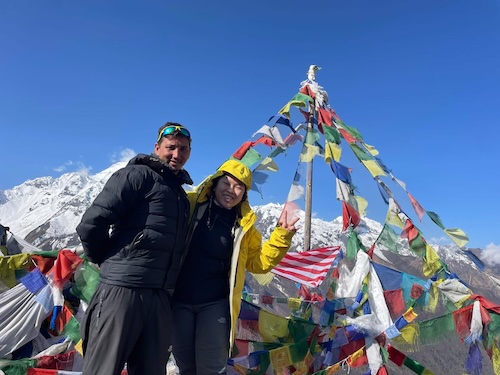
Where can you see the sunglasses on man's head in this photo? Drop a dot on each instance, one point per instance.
(172, 129)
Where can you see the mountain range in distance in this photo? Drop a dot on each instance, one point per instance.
(45, 212)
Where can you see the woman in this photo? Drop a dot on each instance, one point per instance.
(222, 243)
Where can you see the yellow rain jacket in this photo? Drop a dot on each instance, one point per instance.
(248, 251)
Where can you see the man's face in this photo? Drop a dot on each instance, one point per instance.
(174, 151)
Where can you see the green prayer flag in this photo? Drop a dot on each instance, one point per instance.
(353, 245)
(388, 238)
(17, 367)
(435, 330)
(417, 245)
(353, 131)
(86, 282)
(47, 253)
(384, 354)
(298, 351)
(331, 134)
(360, 153)
(72, 330)
(435, 218)
(493, 329)
(300, 329)
(312, 136)
(414, 365)
(301, 98)
(250, 157)
(276, 152)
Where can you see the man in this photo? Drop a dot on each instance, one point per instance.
(129, 317)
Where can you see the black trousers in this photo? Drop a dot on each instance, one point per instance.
(125, 325)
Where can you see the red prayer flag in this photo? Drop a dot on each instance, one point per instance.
(395, 302)
(265, 140)
(63, 318)
(395, 355)
(45, 264)
(462, 319)
(416, 291)
(267, 300)
(65, 267)
(349, 216)
(486, 303)
(240, 152)
(306, 90)
(417, 207)
(410, 232)
(371, 250)
(349, 138)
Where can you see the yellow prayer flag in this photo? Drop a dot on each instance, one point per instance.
(309, 359)
(286, 110)
(372, 150)
(280, 357)
(432, 261)
(267, 164)
(362, 205)
(332, 369)
(427, 372)
(294, 303)
(308, 153)
(301, 370)
(496, 359)
(410, 315)
(263, 278)
(356, 355)
(78, 347)
(373, 167)
(408, 335)
(433, 298)
(332, 151)
(392, 219)
(458, 236)
(272, 327)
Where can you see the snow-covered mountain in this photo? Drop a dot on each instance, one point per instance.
(45, 212)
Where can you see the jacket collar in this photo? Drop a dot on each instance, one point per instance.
(153, 162)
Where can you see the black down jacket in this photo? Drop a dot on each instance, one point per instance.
(135, 229)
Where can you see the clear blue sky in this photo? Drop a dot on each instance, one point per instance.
(81, 81)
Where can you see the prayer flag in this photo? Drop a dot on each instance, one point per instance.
(373, 168)
(332, 151)
(458, 236)
(417, 207)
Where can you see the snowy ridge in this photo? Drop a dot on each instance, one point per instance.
(45, 212)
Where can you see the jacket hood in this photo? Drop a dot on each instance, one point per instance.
(156, 164)
(238, 170)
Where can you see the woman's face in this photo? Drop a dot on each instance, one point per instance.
(229, 192)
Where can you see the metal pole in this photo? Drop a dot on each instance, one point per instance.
(308, 211)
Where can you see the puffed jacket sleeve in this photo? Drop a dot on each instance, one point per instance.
(263, 257)
(112, 203)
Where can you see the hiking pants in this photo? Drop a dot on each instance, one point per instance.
(201, 337)
(127, 325)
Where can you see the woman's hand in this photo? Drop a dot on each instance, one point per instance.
(283, 222)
